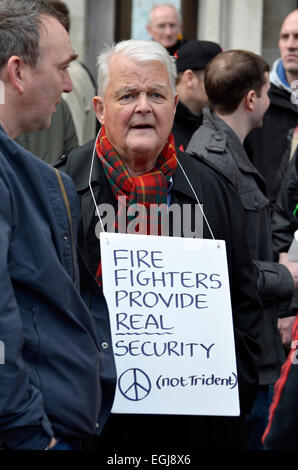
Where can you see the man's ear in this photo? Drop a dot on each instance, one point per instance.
(189, 78)
(98, 106)
(149, 29)
(16, 72)
(250, 100)
(176, 99)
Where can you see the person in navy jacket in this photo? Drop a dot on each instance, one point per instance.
(56, 368)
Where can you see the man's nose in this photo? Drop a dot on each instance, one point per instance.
(292, 42)
(68, 83)
(143, 104)
(168, 30)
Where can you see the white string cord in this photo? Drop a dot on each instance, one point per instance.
(185, 175)
(90, 186)
(197, 199)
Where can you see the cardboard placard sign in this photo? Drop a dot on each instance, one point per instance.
(171, 323)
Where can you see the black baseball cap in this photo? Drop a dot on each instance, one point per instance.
(196, 54)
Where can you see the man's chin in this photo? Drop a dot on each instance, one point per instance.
(167, 45)
(46, 124)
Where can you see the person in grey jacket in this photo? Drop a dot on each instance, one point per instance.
(56, 369)
(237, 83)
(60, 138)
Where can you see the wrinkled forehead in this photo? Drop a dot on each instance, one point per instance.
(125, 68)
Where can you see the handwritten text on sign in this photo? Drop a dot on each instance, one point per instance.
(171, 323)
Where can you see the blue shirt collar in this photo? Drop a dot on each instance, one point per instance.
(282, 74)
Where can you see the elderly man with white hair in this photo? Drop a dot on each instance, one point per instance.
(165, 27)
(134, 159)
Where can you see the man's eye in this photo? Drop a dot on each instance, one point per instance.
(157, 96)
(126, 97)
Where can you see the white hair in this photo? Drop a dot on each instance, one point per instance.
(139, 51)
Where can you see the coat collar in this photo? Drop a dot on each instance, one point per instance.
(223, 137)
(83, 161)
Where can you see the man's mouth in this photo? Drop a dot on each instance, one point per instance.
(142, 126)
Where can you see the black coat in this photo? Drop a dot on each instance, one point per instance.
(266, 146)
(224, 212)
(284, 222)
(284, 217)
(185, 124)
(219, 144)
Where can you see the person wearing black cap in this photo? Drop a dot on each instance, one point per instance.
(191, 60)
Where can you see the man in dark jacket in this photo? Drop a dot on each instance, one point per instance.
(284, 225)
(281, 432)
(136, 106)
(191, 60)
(266, 146)
(56, 380)
(237, 83)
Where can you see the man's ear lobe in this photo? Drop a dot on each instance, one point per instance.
(98, 106)
(15, 71)
(176, 99)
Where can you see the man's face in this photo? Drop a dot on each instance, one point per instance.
(200, 94)
(165, 26)
(262, 103)
(46, 82)
(138, 108)
(288, 44)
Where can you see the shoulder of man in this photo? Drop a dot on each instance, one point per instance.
(282, 98)
(77, 164)
(197, 161)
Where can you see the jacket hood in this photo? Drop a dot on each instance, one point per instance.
(277, 76)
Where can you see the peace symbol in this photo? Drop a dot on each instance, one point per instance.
(134, 384)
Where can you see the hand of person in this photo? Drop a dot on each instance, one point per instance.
(292, 266)
(285, 326)
(52, 444)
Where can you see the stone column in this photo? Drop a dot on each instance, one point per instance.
(77, 27)
(235, 24)
(100, 29)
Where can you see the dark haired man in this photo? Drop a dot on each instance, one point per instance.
(237, 83)
(51, 377)
(191, 60)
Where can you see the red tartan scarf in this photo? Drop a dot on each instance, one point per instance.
(150, 188)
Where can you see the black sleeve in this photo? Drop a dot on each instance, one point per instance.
(284, 217)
